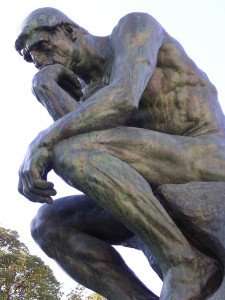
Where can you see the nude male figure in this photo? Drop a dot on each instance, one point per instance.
(132, 111)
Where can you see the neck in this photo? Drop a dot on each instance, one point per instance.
(96, 59)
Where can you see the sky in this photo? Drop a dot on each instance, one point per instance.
(198, 25)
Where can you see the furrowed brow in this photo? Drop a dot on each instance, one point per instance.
(36, 45)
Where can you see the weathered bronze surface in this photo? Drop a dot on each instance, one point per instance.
(139, 130)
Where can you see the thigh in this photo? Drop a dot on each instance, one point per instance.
(160, 158)
(83, 215)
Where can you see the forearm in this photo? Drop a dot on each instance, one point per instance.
(58, 89)
(105, 109)
(57, 101)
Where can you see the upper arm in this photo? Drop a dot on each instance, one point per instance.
(136, 41)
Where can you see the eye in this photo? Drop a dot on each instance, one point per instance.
(45, 46)
(41, 46)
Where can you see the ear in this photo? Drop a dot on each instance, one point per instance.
(71, 31)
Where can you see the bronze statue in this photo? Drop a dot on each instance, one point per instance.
(133, 116)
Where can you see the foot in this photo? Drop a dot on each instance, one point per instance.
(193, 280)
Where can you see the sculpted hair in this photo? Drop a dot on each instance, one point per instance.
(46, 18)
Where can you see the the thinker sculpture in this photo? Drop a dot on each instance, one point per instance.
(135, 121)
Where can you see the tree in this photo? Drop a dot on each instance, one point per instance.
(77, 293)
(24, 276)
(96, 296)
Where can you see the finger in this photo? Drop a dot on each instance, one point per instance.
(30, 176)
(68, 85)
(78, 93)
(71, 77)
(36, 198)
(41, 192)
(32, 187)
(43, 184)
(71, 88)
(41, 187)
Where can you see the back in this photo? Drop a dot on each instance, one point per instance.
(179, 98)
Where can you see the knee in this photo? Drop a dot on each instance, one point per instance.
(72, 163)
(44, 229)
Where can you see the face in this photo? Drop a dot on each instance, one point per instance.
(72, 47)
(50, 47)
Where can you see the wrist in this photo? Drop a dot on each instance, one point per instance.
(45, 139)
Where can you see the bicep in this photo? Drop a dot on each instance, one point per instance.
(136, 42)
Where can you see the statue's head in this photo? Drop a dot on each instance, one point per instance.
(48, 36)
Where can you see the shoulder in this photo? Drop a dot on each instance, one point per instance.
(137, 22)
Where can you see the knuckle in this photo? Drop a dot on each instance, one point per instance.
(37, 76)
(41, 77)
(37, 84)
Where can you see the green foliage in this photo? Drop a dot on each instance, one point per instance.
(77, 293)
(24, 276)
(96, 296)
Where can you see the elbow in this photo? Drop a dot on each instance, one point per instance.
(123, 94)
(126, 101)
(124, 108)
(129, 106)
(117, 106)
